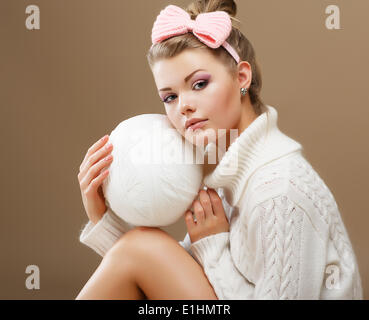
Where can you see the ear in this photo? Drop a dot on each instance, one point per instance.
(244, 74)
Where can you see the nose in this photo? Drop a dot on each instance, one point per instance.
(186, 107)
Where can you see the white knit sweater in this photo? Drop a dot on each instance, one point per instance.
(287, 239)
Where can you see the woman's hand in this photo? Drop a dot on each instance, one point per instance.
(91, 177)
(210, 216)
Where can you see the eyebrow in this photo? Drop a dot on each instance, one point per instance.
(186, 79)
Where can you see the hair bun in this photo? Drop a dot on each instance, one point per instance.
(202, 6)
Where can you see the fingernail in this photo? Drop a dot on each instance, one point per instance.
(103, 138)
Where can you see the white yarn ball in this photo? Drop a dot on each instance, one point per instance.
(153, 178)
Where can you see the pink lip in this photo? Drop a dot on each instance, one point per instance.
(197, 125)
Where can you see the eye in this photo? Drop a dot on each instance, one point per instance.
(166, 99)
(203, 83)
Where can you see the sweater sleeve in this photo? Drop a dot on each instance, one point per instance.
(213, 254)
(101, 236)
(186, 244)
(281, 255)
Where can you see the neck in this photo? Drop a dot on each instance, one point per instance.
(247, 117)
(260, 143)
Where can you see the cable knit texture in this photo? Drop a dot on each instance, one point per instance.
(287, 239)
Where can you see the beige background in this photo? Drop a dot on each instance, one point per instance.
(66, 85)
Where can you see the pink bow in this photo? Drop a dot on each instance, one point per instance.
(211, 28)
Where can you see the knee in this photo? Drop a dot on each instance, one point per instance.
(140, 240)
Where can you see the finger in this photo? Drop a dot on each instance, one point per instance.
(96, 146)
(206, 203)
(189, 219)
(96, 183)
(95, 170)
(216, 203)
(97, 156)
(199, 211)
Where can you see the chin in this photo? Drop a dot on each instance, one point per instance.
(201, 138)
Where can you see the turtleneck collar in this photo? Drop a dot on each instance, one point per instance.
(260, 143)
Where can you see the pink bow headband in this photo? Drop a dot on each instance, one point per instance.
(211, 28)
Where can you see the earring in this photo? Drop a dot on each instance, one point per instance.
(244, 91)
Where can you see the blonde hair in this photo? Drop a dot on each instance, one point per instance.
(173, 46)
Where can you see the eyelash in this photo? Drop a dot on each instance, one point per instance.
(200, 82)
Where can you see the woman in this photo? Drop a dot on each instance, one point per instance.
(273, 232)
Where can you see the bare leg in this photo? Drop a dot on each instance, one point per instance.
(113, 279)
(148, 263)
(164, 270)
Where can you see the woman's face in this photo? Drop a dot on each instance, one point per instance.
(195, 85)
